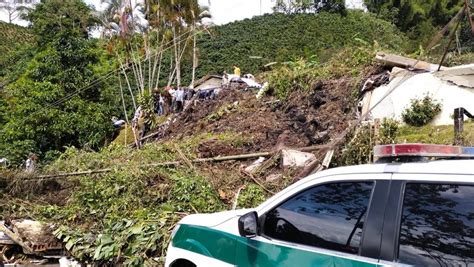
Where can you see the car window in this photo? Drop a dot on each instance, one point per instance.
(437, 225)
(328, 216)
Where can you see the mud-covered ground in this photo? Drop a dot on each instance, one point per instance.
(266, 124)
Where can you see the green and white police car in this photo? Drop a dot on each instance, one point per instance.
(387, 214)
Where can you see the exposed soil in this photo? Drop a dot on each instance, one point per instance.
(305, 119)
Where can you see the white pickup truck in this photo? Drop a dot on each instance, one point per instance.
(419, 213)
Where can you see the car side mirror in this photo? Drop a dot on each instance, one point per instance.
(248, 224)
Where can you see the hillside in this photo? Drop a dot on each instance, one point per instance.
(252, 43)
(117, 205)
(125, 214)
(13, 37)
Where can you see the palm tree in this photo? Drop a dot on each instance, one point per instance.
(197, 23)
(157, 22)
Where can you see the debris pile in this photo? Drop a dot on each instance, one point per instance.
(305, 119)
(28, 241)
(237, 148)
(389, 95)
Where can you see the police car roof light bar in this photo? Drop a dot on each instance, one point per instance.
(423, 150)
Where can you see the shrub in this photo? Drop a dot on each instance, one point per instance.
(388, 131)
(251, 196)
(421, 111)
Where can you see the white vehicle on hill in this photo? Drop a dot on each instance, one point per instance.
(394, 214)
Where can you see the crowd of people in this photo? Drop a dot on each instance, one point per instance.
(166, 101)
(169, 100)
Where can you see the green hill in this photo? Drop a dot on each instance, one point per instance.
(252, 43)
(13, 37)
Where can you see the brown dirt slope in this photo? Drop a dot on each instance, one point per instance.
(304, 119)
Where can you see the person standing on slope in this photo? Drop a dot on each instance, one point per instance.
(237, 71)
(179, 99)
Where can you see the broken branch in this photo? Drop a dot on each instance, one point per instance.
(257, 182)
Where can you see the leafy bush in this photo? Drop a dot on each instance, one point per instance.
(421, 111)
(388, 131)
(357, 150)
(304, 74)
(251, 196)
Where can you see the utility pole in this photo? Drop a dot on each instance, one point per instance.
(260, 7)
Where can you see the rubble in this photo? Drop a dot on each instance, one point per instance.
(295, 158)
(252, 167)
(454, 87)
(460, 75)
(391, 60)
(28, 241)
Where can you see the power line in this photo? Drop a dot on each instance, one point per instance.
(107, 75)
(110, 74)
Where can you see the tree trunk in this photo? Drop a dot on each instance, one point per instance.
(128, 82)
(140, 71)
(171, 75)
(194, 57)
(10, 16)
(157, 62)
(177, 59)
(123, 100)
(159, 70)
(148, 57)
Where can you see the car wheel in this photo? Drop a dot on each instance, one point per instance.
(182, 263)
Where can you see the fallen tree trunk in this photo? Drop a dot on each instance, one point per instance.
(176, 163)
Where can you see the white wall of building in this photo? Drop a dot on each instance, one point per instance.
(450, 95)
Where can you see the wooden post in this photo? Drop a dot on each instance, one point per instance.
(458, 126)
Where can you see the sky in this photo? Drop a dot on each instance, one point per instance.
(225, 11)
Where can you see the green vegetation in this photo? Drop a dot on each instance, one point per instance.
(421, 111)
(358, 149)
(65, 61)
(305, 74)
(305, 6)
(432, 134)
(388, 131)
(416, 16)
(251, 196)
(124, 216)
(424, 21)
(250, 44)
(14, 41)
(13, 37)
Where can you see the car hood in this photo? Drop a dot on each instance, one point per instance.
(213, 219)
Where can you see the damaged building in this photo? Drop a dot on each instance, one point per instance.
(412, 79)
